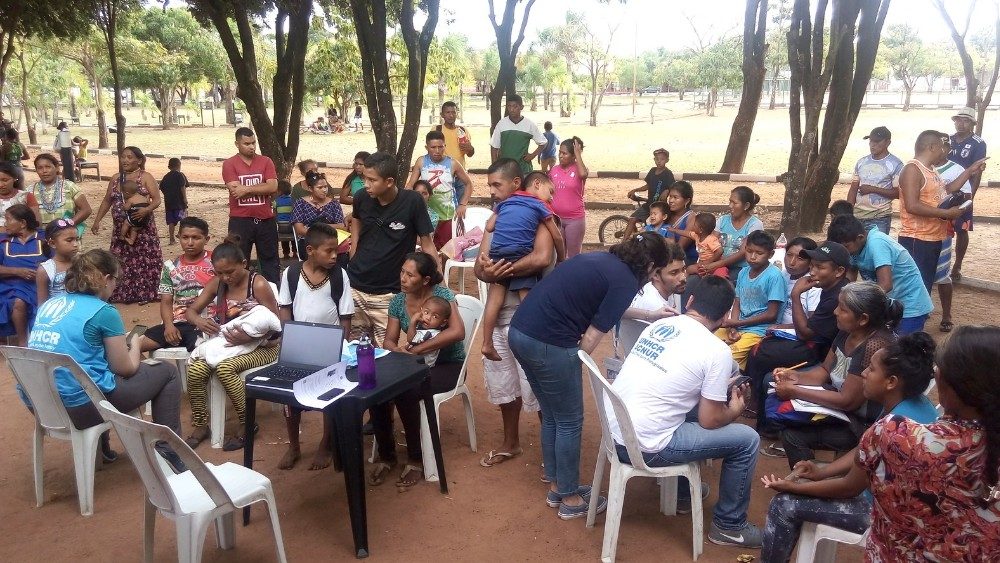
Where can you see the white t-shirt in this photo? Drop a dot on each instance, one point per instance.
(951, 170)
(675, 362)
(649, 299)
(809, 299)
(316, 305)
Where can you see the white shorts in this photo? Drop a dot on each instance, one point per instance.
(505, 380)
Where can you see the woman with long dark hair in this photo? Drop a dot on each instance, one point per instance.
(559, 317)
(141, 261)
(934, 486)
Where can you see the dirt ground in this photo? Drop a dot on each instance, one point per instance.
(489, 514)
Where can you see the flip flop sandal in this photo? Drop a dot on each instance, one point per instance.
(193, 441)
(238, 442)
(488, 461)
(404, 484)
(379, 473)
(946, 326)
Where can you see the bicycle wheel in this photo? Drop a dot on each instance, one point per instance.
(612, 229)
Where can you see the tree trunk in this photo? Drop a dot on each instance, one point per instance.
(815, 155)
(166, 103)
(370, 25)
(279, 139)
(680, 94)
(754, 52)
(6, 52)
(968, 69)
(507, 49)
(907, 93)
(32, 136)
(116, 78)
(229, 99)
(774, 88)
(417, 47)
(987, 97)
(102, 120)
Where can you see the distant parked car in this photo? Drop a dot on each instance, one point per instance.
(651, 90)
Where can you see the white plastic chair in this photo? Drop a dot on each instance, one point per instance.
(192, 499)
(627, 335)
(178, 356)
(622, 472)
(217, 399)
(474, 217)
(471, 311)
(818, 542)
(34, 371)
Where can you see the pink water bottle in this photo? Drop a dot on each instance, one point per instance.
(366, 363)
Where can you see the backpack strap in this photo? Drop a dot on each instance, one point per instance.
(335, 277)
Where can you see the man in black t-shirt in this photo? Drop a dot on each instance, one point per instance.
(174, 187)
(386, 225)
(657, 181)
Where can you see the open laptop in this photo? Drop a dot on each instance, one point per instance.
(305, 349)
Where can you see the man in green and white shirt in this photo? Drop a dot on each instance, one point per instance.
(513, 135)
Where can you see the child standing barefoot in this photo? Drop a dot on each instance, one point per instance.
(62, 238)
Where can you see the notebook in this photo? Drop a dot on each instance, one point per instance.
(305, 348)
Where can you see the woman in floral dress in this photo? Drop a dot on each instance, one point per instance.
(143, 260)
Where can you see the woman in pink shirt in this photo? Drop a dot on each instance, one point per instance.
(570, 179)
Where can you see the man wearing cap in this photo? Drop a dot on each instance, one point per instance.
(829, 263)
(872, 188)
(966, 149)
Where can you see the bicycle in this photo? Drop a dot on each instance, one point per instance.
(612, 229)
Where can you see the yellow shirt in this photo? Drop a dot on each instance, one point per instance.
(451, 143)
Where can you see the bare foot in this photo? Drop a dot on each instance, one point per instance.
(490, 353)
(321, 460)
(289, 459)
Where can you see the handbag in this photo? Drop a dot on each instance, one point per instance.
(464, 246)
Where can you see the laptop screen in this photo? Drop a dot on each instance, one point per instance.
(311, 344)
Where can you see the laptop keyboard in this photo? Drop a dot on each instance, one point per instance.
(286, 373)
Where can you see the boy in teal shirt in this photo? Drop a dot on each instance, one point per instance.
(760, 295)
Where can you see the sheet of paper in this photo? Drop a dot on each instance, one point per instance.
(323, 387)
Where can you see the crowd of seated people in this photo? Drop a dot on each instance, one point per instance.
(829, 338)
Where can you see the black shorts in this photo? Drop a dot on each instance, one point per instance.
(189, 335)
(642, 213)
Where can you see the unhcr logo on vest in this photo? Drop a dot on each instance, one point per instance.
(53, 311)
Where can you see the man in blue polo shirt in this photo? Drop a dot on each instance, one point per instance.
(966, 148)
(880, 259)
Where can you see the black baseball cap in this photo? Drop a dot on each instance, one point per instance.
(879, 133)
(829, 251)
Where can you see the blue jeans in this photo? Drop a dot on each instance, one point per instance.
(880, 223)
(736, 444)
(909, 325)
(554, 374)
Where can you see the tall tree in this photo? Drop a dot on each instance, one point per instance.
(777, 46)
(855, 27)
(172, 52)
(906, 56)
(598, 61)
(371, 20)
(91, 54)
(235, 23)
(110, 14)
(507, 48)
(977, 94)
(754, 52)
(42, 18)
